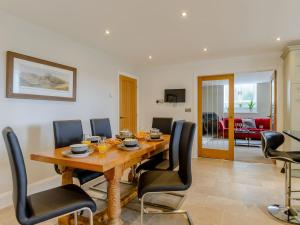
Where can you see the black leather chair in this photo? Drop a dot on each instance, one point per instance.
(101, 127)
(68, 132)
(152, 182)
(158, 162)
(46, 205)
(163, 124)
(271, 140)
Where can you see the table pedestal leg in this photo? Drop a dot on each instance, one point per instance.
(113, 177)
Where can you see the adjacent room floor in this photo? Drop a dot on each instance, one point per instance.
(250, 154)
(241, 153)
(223, 193)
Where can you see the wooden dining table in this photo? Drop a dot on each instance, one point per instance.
(112, 163)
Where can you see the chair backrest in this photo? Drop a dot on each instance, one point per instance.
(270, 141)
(101, 127)
(18, 171)
(174, 144)
(163, 124)
(67, 132)
(185, 152)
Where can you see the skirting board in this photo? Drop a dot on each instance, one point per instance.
(51, 182)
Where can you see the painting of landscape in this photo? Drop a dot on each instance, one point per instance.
(34, 78)
(45, 79)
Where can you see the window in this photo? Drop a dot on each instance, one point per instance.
(245, 98)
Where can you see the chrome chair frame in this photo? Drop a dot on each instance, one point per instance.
(78, 211)
(145, 211)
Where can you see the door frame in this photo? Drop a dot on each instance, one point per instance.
(126, 74)
(214, 153)
(275, 100)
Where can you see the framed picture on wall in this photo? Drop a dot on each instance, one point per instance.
(32, 78)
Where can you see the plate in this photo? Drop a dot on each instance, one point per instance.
(68, 153)
(123, 147)
(154, 139)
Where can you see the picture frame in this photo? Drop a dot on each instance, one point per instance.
(32, 78)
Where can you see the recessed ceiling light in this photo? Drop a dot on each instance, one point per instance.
(184, 14)
(278, 39)
(205, 49)
(107, 32)
(150, 56)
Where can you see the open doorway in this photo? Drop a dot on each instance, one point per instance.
(232, 111)
(254, 111)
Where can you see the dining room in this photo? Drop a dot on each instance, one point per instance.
(99, 112)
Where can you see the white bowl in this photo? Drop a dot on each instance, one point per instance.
(125, 133)
(79, 148)
(155, 135)
(154, 130)
(130, 142)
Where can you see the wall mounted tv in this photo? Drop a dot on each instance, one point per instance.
(174, 95)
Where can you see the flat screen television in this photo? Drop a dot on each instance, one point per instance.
(174, 95)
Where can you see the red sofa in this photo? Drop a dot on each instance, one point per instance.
(262, 124)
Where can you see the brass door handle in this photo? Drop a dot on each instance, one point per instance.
(123, 117)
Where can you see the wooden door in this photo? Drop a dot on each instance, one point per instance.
(216, 116)
(128, 103)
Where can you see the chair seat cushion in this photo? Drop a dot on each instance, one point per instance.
(56, 202)
(287, 156)
(85, 176)
(160, 181)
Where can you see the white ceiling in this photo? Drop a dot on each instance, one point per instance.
(141, 28)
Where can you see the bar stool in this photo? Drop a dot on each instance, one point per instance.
(271, 140)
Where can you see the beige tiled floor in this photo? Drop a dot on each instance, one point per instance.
(223, 193)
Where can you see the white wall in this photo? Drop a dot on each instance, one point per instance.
(97, 93)
(155, 80)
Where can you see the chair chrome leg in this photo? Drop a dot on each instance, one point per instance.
(288, 185)
(75, 218)
(286, 213)
(161, 211)
(91, 216)
(142, 210)
(94, 187)
(182, 196)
